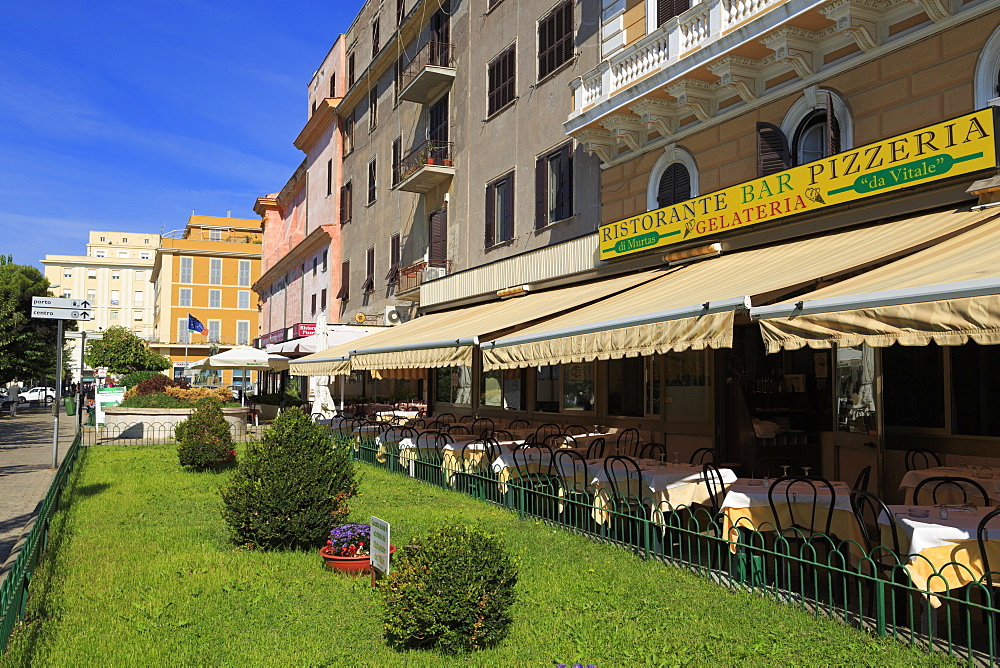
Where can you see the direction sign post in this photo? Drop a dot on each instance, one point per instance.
(75, 313)
(60, 302)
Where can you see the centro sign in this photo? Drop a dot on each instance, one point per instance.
(960, 146)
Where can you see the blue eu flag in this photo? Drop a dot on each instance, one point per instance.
(194, 325)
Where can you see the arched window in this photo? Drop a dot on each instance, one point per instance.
(987, 81)
(816, 137)
(674, 186)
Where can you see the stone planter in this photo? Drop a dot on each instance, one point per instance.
(157, 424)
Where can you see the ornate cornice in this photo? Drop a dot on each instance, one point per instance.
(859, 19)
(598, 142)
(694, 95)
(656, 114)
(625, 129)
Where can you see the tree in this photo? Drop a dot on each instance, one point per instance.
(27, 345)
(121, 351)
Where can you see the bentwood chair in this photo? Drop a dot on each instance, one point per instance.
(970, 490)
(702, 455)
(801, 496)
(557, 441)
(519, 423)
(544, 431)
(476, 466)
(501, 435)
(628, 442)
(990, 578)
(625, 498)
(457, 429)
(596, 448)
(574, 479)
(467, 419)
(921, 459)
(536, 477)
(450, 416)
(576, 430)
(656, 451)
(863, 479)
(880, 536)
(483, 426)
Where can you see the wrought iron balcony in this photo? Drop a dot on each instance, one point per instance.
(412, 277)
(430, 73)
(425, 167)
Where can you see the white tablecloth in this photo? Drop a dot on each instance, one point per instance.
(748, 493)
(913, 478)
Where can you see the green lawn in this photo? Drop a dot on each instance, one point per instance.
(140, 572)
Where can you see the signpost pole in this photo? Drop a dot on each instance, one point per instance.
(80, 395)
(55, 404)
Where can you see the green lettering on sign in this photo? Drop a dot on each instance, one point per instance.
(641, 241)
(935, 166)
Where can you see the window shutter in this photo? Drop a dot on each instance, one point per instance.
(508, 216)
(438, 251)
(541, 192)
(675, 186)
(832, 127)
(490, 216)
(772, 150)
(566, 183)
(345, 280)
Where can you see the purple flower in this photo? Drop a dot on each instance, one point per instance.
(350, 540)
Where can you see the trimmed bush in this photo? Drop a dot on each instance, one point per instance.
(203, 440)
(158, 400)
(452, 594)
(290, 487)
(133, 379)
(157, 384)
(196, 394)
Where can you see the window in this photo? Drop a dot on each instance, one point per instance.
(333, 85)
(547, 389)
(115, 298)
(124, 240)
(554, 186)
(397, 153)
(91, 273)
(214, 331)
(500, 82)
(137, 315)
(668, 9)
(186, 264)
(103, 239)
(145, 255)
(215, 235)
(313, 303)
(493, 3)
(504, 389)
(243, 300)
(116, 275)
(625, 386)
(345, 203)
(674, 186)
(322, 300)
(138, 298)
(67, 272)
(326, 255)
(816, 138)
(394, 256)
(242, 332)
(215, 271)
(99, 253)
(349, 133)
(350, 70)
(215, 299)
(183, 335)
(345, 280)
(91, 296)
(975, 382)
(373, 108)
(555, 39)
(140, 275)
(123, 253)
(145, 241)
(245, 272)
(369, 284)
(907, 367)
(454, 385)
(184, 297)
(500, 210)
(315, 264)
(400, 11)
(67, 293)
(113, 314)
(375, 37)
(372, 169)
(329, 177)
(578, 387)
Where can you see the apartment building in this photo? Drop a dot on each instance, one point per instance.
(115, 276)
(206, 272)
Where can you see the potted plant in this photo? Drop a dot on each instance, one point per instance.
(348, 548)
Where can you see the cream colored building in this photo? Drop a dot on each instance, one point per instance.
(115, 276)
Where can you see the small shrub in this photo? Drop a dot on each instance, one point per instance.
(158, 400)
(203, 440)
(290, 487)
(452, 595)
(133, 379)
(274, 399)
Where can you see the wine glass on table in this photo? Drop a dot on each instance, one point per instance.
(784, 470)
(676, 458)
(806, 469)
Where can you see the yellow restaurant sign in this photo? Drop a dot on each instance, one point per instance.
(959, 146)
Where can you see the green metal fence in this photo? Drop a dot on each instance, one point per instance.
(14, 589)
(150, 433)
(822, 575)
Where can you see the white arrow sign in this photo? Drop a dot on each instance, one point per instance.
(60, 302)
(61, 313)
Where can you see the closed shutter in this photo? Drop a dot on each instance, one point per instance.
(438, 251)
(345, 280)
(490, 228)
(772, 150)
(565, 194)
(668, 9)
(394, 256)
(507, 232)
(675, 186)
(832, 128)
(541, 192)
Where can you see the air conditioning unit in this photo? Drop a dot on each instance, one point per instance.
(393, 315)
(430, 273)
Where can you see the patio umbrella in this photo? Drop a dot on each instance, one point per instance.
(242, 357)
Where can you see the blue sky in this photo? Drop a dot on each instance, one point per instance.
(126, 116)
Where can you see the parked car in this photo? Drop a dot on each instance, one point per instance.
(39, 394)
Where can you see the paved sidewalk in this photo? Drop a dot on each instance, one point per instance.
(25, 467)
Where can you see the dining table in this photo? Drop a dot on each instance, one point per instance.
(986, 476)
(938, 545)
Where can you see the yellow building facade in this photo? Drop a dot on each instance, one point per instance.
(207, 273)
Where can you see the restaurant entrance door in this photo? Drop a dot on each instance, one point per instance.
(857, 443)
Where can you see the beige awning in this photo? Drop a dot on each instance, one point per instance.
(682, 309)
(447, 339)
(947, 294)
(335, 361)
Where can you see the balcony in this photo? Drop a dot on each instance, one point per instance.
(424, 168)
(412, 277)
(429, 74)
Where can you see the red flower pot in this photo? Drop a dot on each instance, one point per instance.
(349, 564)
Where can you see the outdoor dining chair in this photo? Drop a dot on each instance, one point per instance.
(702, 455)
(596, 448)
(625, 500)
(628, 442)
(990, 578)
(482, 426)
(467, 419)
(921, 459)
(970, 490)
(716, 489)
(576, 430)
(539, 486)
(880, 545)
(557, 441)
(863, 477)
(457, 429)
(796, 494)
(656, 451)
(501, 435)
(544, 431)
(441, 417)
(574, 478)
(519, 423)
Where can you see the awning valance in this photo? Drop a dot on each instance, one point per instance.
(680, 310)
(947, 294)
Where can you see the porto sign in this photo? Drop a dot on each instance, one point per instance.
(960, 146)
(60, 302)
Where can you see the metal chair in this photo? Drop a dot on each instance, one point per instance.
(656, 451)
(539, 486)
(544, 431)
(501, 435)
(441, 417)
(482, 426)
(937, 483)
(712, 478)
(457, 429)
(982, 535)
(576, 430)
(574, 479)
(467, 419)
(795, 492)
(863, 478)
(770, 467)
(519, 424)
(557, 441)
(921, 459)
(869, 510)
(596, 448)
(700, 456)
(628, 442)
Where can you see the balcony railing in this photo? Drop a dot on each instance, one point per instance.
(429, 74)
(410, 278)
(424, 167)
